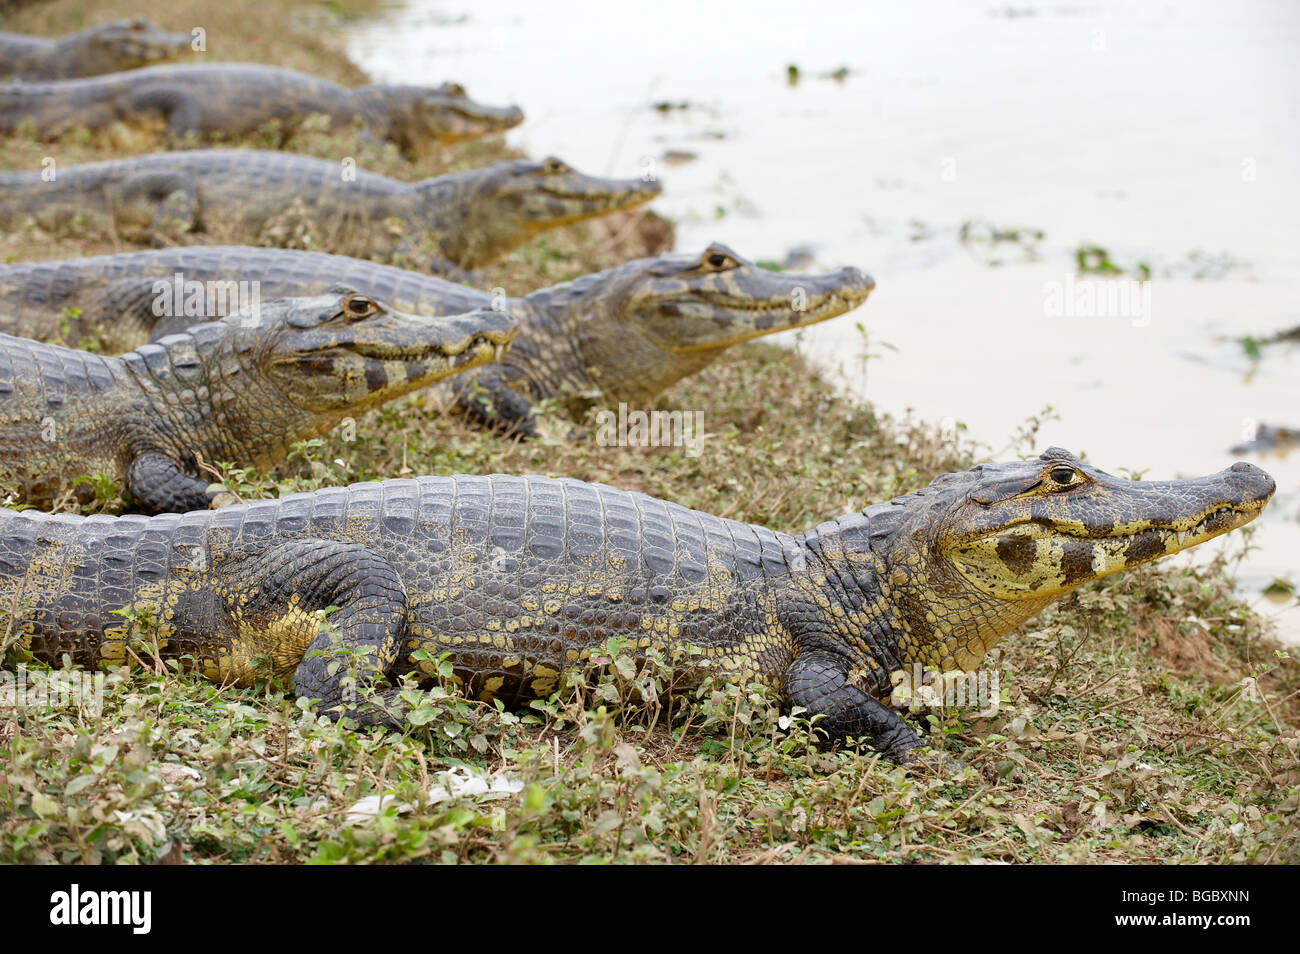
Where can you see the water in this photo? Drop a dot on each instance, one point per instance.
(1167, 134)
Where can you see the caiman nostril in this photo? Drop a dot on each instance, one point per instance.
(860, 277)
(1262, 484)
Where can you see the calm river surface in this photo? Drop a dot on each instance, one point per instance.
(1167, 134)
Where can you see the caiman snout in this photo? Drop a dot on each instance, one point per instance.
(499, 117)
(1255, 482)
(856, 278)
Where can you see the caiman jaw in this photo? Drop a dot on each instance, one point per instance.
(356, 353)
(552, 193)
(478, 350)
(1054, 540)
(693, 304)
(138, 41)
(746, 319)
(464, 121)
(481, 350)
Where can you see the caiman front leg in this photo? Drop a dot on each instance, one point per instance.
(179, 107)
(168, 200)
(128, 313)
(819, 682)
(276, 600)
(159, 485)
(490, 402)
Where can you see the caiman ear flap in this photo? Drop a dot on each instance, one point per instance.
(991, 491)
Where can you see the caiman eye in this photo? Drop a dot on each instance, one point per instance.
(553, 165)
(454, 89)
(718, 260)
(358, 306)
(1064, 476)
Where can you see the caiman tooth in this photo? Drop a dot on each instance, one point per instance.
(500, 351)
(469, 354)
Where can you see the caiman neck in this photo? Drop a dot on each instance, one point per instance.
(944, 622)
(897, 610)
(375, 107)
(222, 405)
(602, 349)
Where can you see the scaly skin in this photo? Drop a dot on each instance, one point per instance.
(243, 389)
(104, 48)
(206, 99)
(468, 218)
(630, 331)
(521, 578)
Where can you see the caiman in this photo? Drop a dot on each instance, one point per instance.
(104, 48)
(468, 219)
(226, 99)
(629, 332)
(1270, 438)
(243, 389)
(519, 579)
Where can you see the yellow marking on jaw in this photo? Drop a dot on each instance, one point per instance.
(1108, 556)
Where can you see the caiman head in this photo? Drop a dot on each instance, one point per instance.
(497, 208)
(965, 560)
(343, 352)
(643, 326)
(123, 45)
(420, 115)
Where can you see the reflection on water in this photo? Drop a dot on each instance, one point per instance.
(970, 157)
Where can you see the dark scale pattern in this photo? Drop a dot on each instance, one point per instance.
(224, 98)
(520, 578)
(225, 391)
(469, 218)
(621, 330)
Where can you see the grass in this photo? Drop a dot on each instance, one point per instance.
(1149, 718)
